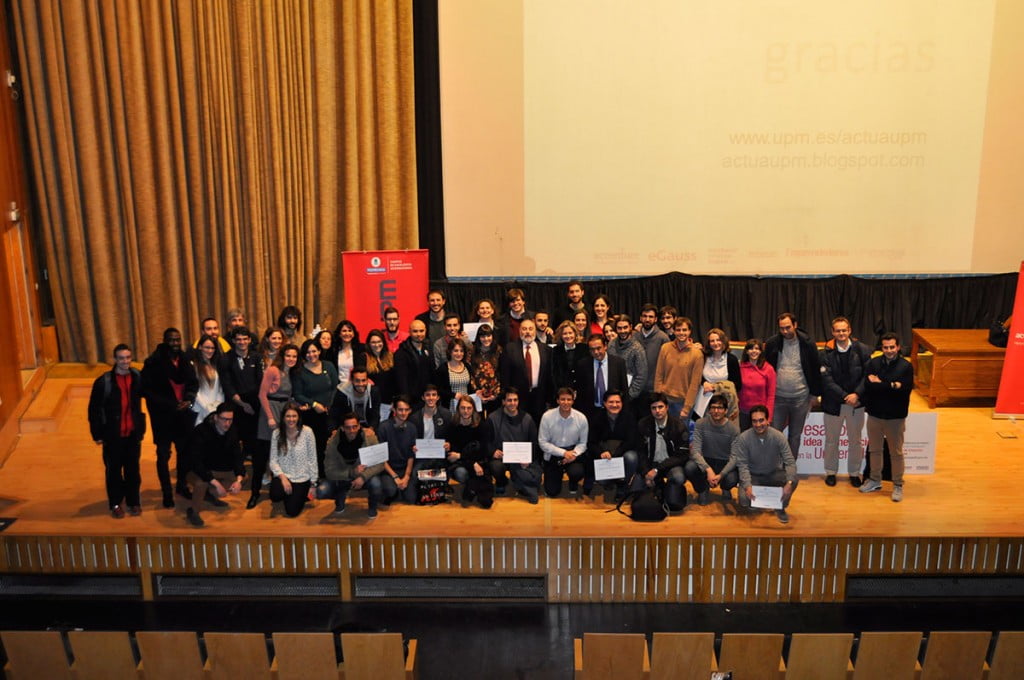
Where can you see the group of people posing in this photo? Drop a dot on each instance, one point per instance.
(571, 386)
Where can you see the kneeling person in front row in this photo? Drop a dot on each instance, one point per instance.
(344, 471)
(400, 436)
(508, 424)
(217, 463)
(665, 451)
(764, 458)
(292, 462)
(466, 458)
(711, 461)
(563, 439)
(613, 434)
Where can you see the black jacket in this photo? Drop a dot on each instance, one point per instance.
(584, 386)
(677, 442)
(809, 359)
(105, 408)
(242, 380)
(215, 452)
(158, 372)
(882, 399)
(842, 375)
(601, 433)
(413, 369)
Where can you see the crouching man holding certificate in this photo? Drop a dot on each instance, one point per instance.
(346, 469)
(765, 463)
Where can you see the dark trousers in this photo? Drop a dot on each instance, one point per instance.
(121, 461)
(672, 483)
(260, 459)
(391, 492)
(174, 428)
(199, 487)
(320, 423)
(700, 479)
(294, 501)
(553, 470)
(525, 479)
(340, 489)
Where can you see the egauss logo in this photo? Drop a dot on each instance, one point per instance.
(374, 261)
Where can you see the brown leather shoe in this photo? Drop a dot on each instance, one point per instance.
(117, 512)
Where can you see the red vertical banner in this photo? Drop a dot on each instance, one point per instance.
(1010, 401)
(378, 279)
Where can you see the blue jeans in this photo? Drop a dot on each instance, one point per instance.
(339, 490)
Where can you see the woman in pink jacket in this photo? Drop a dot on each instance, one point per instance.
(758, 378)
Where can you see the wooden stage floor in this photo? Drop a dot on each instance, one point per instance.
(52, 483)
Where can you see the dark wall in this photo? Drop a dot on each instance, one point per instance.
(747, 306)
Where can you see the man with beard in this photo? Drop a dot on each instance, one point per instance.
(169, 384)
(433, 318)
(414, 365)
(626, 347)
(394, 336)
(509, 424)
(763, 458)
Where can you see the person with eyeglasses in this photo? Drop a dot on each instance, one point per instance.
(711, 464)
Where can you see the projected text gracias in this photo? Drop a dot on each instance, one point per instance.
(786, 60)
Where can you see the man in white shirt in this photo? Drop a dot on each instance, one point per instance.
(563, 440)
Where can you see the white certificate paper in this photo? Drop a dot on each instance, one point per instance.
(477, 402)
(516, 452)
(769, 497)
(385, 411)
(429, 448)
(373, 455)
(471, 330)
(609, 468)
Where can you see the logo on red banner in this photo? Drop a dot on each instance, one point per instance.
(378, 279)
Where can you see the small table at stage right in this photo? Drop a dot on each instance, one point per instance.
(964, 364)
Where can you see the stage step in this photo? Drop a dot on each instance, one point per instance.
(47, 409)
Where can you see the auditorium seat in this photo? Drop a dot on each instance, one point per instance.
(1008, 659)
(377, 656)
(815, 656)
(611, 656)
(682, 656)
(752, 656)
(33, 654)
(169, 655)
(304, 656)
(230, 656)
(955, 655)
(102, 655)
(891, 655)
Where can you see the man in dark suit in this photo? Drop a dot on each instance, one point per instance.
(526, 365)
(597, 374)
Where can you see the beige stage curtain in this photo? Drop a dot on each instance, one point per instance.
(194, 155)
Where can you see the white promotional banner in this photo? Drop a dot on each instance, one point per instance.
(918, 444)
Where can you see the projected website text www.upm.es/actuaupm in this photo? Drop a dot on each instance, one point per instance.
(776, 150)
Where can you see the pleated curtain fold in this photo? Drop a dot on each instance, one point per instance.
(192, 156)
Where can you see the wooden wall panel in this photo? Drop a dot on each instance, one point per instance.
(640, 569)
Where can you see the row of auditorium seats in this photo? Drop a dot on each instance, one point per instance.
(879, 656)
(33, 655)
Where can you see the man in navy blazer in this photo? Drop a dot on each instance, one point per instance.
(613, 371)
(534, 387)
